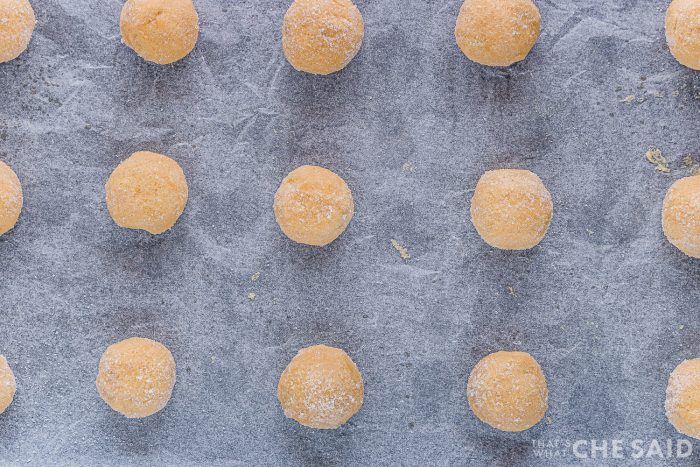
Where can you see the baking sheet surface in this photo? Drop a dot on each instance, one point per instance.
(605, 304)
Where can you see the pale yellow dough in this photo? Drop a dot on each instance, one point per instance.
(11, 198)
(17, 23)
(147, 191)
(508, 391)
(683, 398)
(160, 31)
(136, 377)
(322, 36)
(321, 387)
(313, 205)
(497, 32)
(511, 209)
(8, 385)
(683, 32)
(681, 215)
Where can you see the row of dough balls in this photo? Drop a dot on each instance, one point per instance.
(322, 387)
(511, 209)
(323, 36)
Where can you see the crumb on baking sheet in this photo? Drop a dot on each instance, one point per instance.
(401, 249)
(251, 295)
(656, 157)
(408, 167)
(629, 99)
(688, 160)
(511, 290)
(255, 277)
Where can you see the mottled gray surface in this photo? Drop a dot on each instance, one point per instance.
(605, 304)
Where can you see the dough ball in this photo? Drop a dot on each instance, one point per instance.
(683, 32)
(322, 36)
(681, 215)
(508, 391)
(511, 209)
(16, 28)
(160, 31)
(497, 32)
(136, 377)
(10, 198)
(8, 386)
(683, 398)
(147, 191)
(321, 387)
(313, 205)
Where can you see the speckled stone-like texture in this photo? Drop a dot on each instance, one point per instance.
(605, 304)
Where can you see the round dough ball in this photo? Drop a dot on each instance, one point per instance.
(681, 215)
(10, 198)
(511, 209)
(683, 32)
(147, 191)
(160, 31)
(136, 377)
(683, 398)
(321, 387)
(17, 23)
(322, 36)
(508, 391)
(313, 205)
(497, 32)
(8, 386)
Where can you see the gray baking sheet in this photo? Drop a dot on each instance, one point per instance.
(605, 304)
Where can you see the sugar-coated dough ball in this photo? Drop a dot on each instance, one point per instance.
(511, 209)
(10, 198)
(136, 377)
(321, 387)
(313, 205)
(160, 31)
(147, 191)
(322, 36)
(683, 32)
(508, 391)
(497, 32)
(683, 398)
(16, 28)
(8, 386)
(681, 215)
